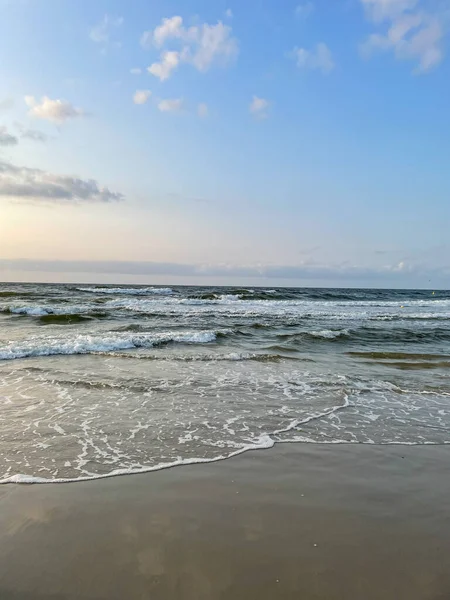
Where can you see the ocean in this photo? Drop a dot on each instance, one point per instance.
(97, 381)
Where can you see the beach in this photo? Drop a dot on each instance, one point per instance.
(198, 443)
(313, 521)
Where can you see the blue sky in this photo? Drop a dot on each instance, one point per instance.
(258, 142)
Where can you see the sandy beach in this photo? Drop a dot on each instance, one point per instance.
(299, 521)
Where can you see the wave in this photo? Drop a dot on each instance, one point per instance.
(416, 366)
(67, 319)
(372, 334)
(91, 344)
(399, 355)
(262, 442)
(324, 334)
(127, 291)
(230, 357)
(11, 294)
(416, 317)
(401, 334)
(47, 314)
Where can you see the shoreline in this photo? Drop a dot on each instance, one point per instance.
(21, 479)
(313, 521)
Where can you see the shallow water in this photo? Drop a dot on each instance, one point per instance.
(96, 381)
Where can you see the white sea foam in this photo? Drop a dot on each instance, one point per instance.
(87, 418)
(329, 334)
(45, 310)
(262, 443)
(31, 311)
(314, 417)
(230, 297)
(88, 344)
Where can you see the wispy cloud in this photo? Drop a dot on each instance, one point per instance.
(410, 32)
(6, 138)
(202, 110)
(259, 107)
(174, 105)
(396, 275)
(136, 71)
(380, 10)
(319, 58)
(141, 96)
(200, 45)
(31, 134)
(55, 111)
(35, 184)
(6, 103)
(229, 13)
(303, 11)
(103, 32)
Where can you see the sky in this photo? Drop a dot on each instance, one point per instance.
(209, 142)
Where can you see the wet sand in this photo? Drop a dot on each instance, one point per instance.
(296, 522)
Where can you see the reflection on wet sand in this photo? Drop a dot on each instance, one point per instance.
(300, 521)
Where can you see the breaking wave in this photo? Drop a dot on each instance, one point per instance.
(127, 291)
(90, 344)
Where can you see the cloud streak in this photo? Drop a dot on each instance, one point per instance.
(7, 139)
(395, 275)
(37, 185)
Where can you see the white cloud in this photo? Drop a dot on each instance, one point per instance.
(258, 107)
(169, 29)
(303, 11)
(136, 71)
(169, 61)
(200, 45)
(141, 96)
(101, 33)
(35, 184)
(229, 13)
(174, 105)
(7, 139)
(212, 43)
(411, 34)
(202, 110)
(320, 58)
(55, 111)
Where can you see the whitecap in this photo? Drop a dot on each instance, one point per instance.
(127, 291)
(88, 344)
